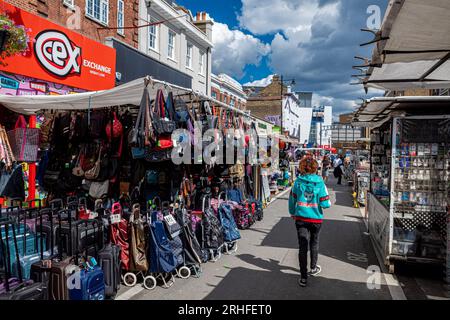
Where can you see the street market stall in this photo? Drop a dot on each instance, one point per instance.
(410, 171)
(127, 179)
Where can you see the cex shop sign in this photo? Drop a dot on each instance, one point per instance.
(60, 55)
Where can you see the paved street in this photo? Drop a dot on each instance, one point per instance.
(266, 265)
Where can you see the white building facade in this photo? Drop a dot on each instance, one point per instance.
(182, 42)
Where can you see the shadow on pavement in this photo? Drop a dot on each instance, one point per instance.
(340, 240)
(280, 282)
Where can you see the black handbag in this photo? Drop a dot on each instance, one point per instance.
(158, 155)
(161, 124)
(137, 136)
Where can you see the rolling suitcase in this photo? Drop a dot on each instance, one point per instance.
(109, 261)
(90, 285)
(19, 289)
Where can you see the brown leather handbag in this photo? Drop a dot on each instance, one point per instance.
(138, 248)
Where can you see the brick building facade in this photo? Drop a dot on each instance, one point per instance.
(77, 18)
(229, 91)
(263, 102)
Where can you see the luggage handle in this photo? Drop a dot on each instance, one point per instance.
(16, 200)
(225, 194)
(49, 213)
(116, 207)
(86, 222)
(70, 199)
(205, 197)
(30, 204)
(160, 202)
(54, 202)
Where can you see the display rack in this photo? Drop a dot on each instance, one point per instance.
(410, 192)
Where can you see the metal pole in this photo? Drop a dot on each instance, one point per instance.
(281, 120)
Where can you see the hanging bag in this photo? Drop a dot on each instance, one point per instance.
(24, 141)
(162, 124)
(78, 170)
(93, 173)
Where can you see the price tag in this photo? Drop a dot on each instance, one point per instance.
(115, 218)
(170, 220)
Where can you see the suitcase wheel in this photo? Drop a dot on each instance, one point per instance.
(184, 272)
(149, 282)
(130, 279)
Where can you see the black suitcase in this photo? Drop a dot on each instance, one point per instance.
(79, 236)
(109, 261)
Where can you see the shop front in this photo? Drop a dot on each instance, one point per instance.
(409, 193)
(58, 60)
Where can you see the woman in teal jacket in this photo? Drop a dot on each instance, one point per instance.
(308, 198)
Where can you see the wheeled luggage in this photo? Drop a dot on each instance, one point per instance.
(109, 261)
(88, 284)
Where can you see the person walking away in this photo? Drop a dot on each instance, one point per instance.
(338, 168)
(325, 167)
(308, 197)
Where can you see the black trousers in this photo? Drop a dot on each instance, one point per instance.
(339, 179)
(308, 237)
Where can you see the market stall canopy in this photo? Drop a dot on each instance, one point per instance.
(413, 47)
(376, 111)
(126, 94)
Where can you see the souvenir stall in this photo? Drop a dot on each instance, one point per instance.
(409, 177)
(117, 172)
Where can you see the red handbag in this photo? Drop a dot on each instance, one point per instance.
(119, 235)
(164, 142)
(117, 128)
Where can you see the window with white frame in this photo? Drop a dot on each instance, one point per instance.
(171, 45)
(120, 17)
(98, 10)
(214, 95)
(152, 35)
(69, 3)
(201, 63)
(232, 102)
(189, 50)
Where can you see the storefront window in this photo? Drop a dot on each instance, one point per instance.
(98, 10)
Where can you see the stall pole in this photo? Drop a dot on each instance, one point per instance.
(32, 169)
(394, 132)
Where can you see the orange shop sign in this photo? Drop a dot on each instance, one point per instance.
(59, 55)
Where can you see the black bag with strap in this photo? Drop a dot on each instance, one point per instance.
(161, 122)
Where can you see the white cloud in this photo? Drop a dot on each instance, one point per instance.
(233, 50)
(290, 16)
(261, 83)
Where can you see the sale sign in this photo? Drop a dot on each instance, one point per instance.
(59, 55)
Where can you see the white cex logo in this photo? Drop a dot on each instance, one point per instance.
(56, 53)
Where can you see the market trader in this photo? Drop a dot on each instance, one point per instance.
(309, 196)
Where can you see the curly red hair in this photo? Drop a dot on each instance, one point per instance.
(308, 166)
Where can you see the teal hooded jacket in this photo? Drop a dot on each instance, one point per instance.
(308, 197)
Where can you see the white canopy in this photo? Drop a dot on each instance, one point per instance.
(414, 49)
(127, 94)
(375, 111)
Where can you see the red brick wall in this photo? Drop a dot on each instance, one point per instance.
(55, 11)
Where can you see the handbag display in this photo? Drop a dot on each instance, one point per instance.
(99, 190)
(24, 141)
(77, 169)
(158, 155)
(161, 122)
(93, 173)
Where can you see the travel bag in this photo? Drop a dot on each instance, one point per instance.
(90, 285)
(109, 261)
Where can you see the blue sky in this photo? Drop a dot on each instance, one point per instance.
(313, 41)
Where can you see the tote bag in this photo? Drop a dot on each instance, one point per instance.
(24, 141)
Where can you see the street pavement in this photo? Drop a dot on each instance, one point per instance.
(266, 263)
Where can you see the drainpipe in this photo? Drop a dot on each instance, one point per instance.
(208, 51)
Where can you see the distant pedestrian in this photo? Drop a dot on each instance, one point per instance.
(338, 171)
(308, 198)
(326, 164)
